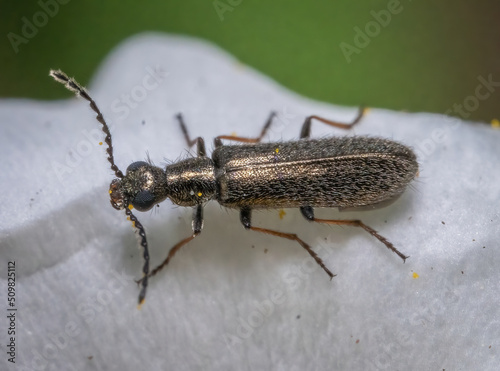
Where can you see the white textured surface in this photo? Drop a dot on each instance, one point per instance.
(205, 310)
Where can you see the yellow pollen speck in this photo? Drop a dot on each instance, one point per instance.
(139, 306)
(240, 66)
(282, 213)
(130, 207)
(495, 123)
(199, 194)
(277, 150)
(100, 143)
(415, 275)
(110, 191)
(366, 110)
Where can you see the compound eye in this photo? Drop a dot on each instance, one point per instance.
(136, 165)
(144, 200)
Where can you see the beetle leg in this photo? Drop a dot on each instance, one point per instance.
(200, 143)
(308, 213)
(306, 127)
(263, 132)
(197, 225)
(246, 216)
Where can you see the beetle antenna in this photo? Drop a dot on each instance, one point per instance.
(75, 87)
(139, 229)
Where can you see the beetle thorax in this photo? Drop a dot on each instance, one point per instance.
(191, 182)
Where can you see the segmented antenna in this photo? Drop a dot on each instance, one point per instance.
(144, 243)
(75, 87)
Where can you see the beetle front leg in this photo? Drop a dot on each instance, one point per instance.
(200, 143)
(197, 225)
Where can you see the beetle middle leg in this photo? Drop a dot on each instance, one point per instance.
(308, 213)
(197, 226)
(306, 127)
(267, 125)
(304, 133)
(246, 220)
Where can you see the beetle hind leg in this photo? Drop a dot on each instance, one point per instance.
(308, 213)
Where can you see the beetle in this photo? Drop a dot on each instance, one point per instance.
(334, 172)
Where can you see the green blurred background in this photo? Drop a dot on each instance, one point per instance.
(414, 55)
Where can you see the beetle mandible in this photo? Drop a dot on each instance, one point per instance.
(342, 172)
